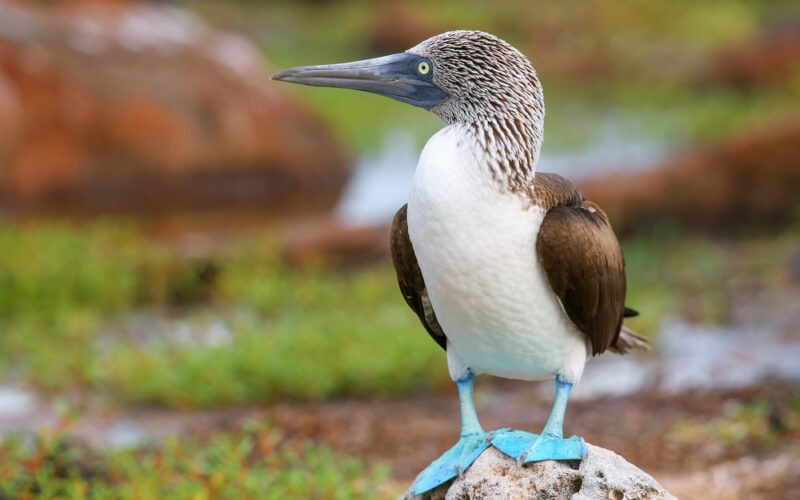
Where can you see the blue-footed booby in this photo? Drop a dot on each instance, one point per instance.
(510, 271)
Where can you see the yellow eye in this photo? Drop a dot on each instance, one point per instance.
(423, 67)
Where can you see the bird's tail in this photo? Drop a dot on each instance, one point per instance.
(627, 340)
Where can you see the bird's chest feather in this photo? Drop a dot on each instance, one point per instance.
(476, 248)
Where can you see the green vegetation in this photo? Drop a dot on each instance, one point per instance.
(311, 335)
(303, 334)
(247, 463)
(741, 424)
(101, 307)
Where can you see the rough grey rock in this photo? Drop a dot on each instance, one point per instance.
(603, 475)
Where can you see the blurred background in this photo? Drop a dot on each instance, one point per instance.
(196, 299)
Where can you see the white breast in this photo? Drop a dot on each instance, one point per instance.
(476, 247)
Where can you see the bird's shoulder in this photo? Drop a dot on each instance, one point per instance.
(550, 190)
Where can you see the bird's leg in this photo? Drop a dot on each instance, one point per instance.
(469, 417)
(550, 444)
(471, 443)
(554, 428)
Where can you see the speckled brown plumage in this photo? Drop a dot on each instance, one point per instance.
(504, 109)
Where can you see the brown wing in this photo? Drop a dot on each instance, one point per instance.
(584, 265)
(409, 277)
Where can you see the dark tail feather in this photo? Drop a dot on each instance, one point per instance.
(627, 340)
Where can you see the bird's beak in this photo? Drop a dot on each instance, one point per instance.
(396, 76)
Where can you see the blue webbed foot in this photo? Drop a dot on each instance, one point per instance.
(551, 447)
(528, 447)
(550, 444)
(512, 442)
(454, 461)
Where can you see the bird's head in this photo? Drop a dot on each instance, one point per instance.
(465, 77)
(461, 76)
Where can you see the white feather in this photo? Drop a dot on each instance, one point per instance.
(476, 247)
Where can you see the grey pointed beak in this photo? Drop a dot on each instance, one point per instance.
(394, 76)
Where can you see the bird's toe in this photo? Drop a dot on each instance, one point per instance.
(452, 463)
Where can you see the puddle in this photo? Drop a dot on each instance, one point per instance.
(23, 410)
(608, 152)
(612, 375)
(152, 329)
(690, 356)
(703, 357)
(15, 401)
(380, 183)
(126, 434)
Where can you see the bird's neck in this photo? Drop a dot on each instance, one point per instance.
(510, 146)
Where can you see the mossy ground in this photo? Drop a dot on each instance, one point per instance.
(249, 462)
(258, 331)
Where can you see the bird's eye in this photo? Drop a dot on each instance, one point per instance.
(424, 67)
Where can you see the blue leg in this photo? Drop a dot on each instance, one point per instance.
(472, 442)
(550, 444)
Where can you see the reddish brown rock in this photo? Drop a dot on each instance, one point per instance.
(770, 57)
(137, 107)
(399, 26)
(330, 242)
(749, 180)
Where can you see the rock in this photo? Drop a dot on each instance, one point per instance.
(330, 242)
(747, 181)
(399, 26)
(130, 107)
(770, 57)
(603, 475)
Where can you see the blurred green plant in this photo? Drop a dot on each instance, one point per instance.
(741, 424)
(242, 327)
(308, 334)
(246, 463)
(49, 267)
(671, 275)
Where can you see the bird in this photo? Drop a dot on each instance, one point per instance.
(511, 271)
